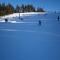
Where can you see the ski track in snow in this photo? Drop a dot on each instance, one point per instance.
(20, 22)
(31, 31)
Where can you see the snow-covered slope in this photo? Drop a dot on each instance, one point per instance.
(27, 40)
(21, 14)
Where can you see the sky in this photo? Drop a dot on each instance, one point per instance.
(49, 5)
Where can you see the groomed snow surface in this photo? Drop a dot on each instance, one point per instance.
(26, 39)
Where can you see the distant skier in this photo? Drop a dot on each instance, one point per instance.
(39, 22)
(20, 18)
(58, 18)
(6, 20)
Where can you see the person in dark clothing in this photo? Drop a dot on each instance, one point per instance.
(39, 22)
(21, 18)
(58, 18)
(6, 20)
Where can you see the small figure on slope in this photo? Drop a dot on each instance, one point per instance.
(39, 22)
(58, 18)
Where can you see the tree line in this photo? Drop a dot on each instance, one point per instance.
(6, 9)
